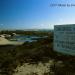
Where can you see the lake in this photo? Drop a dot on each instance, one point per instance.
(26, 38)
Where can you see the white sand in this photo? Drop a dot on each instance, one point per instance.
(4, 41)
(33, 69)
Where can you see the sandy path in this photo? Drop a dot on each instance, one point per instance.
(33, 69)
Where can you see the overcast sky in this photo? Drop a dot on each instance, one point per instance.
(35, 14)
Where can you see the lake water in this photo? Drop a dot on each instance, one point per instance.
(26, 38)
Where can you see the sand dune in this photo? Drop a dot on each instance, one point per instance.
(4, 41)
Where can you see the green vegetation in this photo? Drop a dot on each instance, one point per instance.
(41, 50)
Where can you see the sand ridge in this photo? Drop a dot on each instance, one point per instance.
(4, 41)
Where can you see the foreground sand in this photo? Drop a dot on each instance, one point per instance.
(33, 69)
(4, 41)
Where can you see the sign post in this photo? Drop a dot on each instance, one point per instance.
(64, 38)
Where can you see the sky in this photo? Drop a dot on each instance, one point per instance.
(35, 14)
